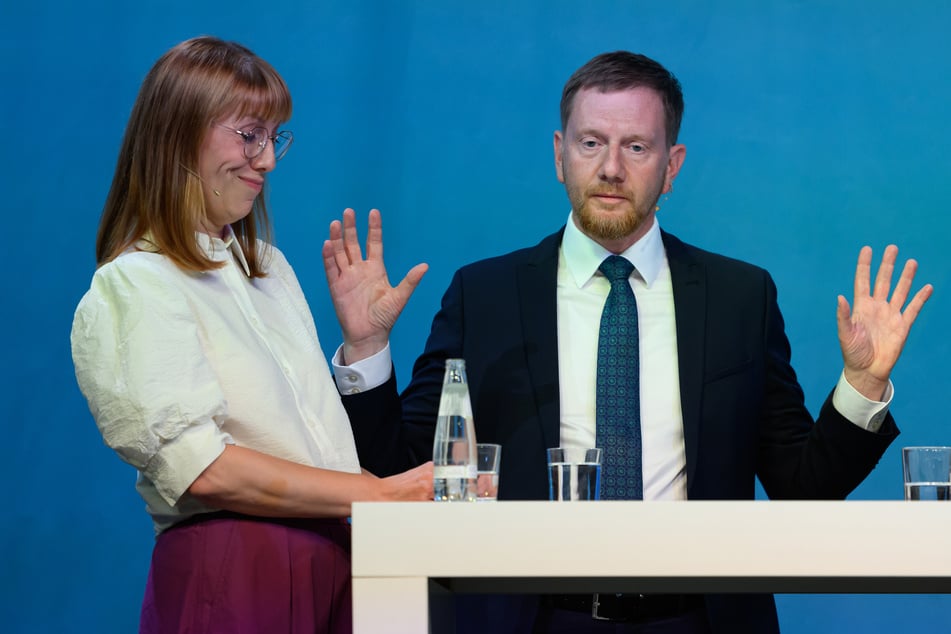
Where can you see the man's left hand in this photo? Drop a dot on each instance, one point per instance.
(873, 333)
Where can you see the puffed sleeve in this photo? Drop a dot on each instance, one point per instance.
(140, 360)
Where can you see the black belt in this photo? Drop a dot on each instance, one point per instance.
(630, 608)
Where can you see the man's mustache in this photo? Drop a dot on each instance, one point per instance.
(608, 191)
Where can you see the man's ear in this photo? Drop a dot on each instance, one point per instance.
(558, 143)
(675, 161)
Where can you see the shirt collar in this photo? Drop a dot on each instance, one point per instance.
(583, 255)
(215, 248)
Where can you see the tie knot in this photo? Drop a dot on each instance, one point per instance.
(616, 268)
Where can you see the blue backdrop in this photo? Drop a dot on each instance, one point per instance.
(812, 128)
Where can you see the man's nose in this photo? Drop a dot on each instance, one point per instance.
(612, 166)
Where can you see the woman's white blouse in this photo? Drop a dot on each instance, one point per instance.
(177, 365)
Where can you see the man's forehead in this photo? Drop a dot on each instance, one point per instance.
(636, 104)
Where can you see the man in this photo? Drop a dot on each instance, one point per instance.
(719, 402)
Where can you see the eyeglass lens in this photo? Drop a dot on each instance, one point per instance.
(256, 140)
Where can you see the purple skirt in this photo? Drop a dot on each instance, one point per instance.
(234, 574)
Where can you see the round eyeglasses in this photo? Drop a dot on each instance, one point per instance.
(255, 140)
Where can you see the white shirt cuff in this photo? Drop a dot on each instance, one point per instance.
(856, 408)
(363, 375)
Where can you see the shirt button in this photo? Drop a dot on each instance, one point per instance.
(354, 390)
(352, 378)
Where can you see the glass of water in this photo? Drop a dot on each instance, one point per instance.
(574, 474)
(927, 473)
(489, 458)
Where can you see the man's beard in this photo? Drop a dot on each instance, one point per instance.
(611, 226)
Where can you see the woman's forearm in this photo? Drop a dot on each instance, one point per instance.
(247, 481)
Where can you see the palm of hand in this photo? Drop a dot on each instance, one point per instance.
(874, 337)
(873, 333)
(364, 300)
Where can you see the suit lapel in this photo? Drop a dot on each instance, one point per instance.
(537, 279)
(689, 286)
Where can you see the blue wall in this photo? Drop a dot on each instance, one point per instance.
(812, 128)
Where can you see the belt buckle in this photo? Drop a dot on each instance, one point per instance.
(595, 612)
(595, 603)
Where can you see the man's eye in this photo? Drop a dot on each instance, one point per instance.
(637, 148)
(589, 143)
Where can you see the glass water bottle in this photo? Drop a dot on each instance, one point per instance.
(454, 447)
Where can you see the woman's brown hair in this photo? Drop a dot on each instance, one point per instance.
(156, 190)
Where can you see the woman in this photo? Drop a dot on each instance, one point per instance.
(200, 361)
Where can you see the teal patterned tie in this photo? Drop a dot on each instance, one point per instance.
(618, 390)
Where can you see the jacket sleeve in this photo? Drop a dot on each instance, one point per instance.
(797, 459)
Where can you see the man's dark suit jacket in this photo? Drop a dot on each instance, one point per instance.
(743, 409)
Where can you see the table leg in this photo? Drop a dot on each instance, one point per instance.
(397, 605)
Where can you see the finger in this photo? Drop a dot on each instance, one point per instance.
(916, 303)
(337, 245)
(336, 231)
(903, 287)
(883, 280)
(375, 235)
(351, 241)
(409, 283)
(843, 318)
(863, 272)
(331, 270)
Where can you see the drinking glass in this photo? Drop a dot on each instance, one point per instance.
(487, 461)
(927, 473)
(574, 474)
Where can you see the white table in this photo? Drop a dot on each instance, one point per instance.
(404, 554)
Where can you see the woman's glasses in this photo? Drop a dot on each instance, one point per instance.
(255, 140)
